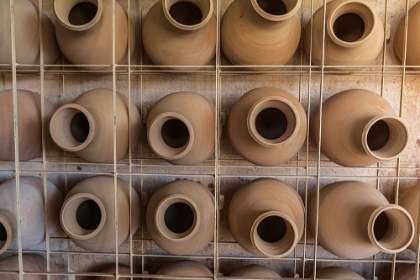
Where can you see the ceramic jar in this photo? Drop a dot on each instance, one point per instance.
(180, 217)
(112, 270)
(181, 128)
(407, 272)
(356, 221)
(255, 271)
(359, 128)
(184, 269)
(334, 272)
(266, 217)
(32, 212)
(88, 213)
(85, 126)
(84, 33)
(31, 263)
(354, 35)
(260, 32)
(410, 202)
(177, 32)
(267, 126)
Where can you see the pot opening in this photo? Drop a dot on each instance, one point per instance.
(186, 13)
(271, 123)
(179, 217)
(272, 229)
(175, 133)
(380, 226)
(79, 127)
(3, 234)
(378, 135)
(82, 13)
(349, 27)
(88, 215)
(273, 7)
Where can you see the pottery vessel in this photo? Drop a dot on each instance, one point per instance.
(255, 271)
(334, 272)
(32, 212)
(181, 128)
(410, 202)
(359, 128)
(31, 263)
(88, 213)
(266, 217)
(85, 126)
(354, 35)
(180, 217)
(29, 125)
(177, 32)
(407, 272)
(184, 269)
(356, 221)
(84, 33)
(267, 126)
(261, 32)
(111, 270)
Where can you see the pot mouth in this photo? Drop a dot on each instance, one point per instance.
(276, 10)
(78, 15)
(188, 14)
(6, 234)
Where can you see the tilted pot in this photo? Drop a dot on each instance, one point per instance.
(407, 272)
(335, 272)
(31, 264)
(410, 202)
(185, 269)
(255, 271)
(112, 270)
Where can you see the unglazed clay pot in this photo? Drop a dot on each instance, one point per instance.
(184, 269)
(177, 32)
(32, 212)
(111, 270)
(333, 272)
(181, 128)
(356, 221)
(27, 43)
(261, 32)
(354, 35)
(85, 126)
(267, 126)
(407, 272)
(410, 202)
(88, 213)
(266, 217)
(180, 217)
(31, 264)
(255, 271)
(359, 128)
(84, 32)
(30, 125)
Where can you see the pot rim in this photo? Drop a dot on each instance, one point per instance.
(62, 15)
(166, 10)
(272, 17)
(4, 244)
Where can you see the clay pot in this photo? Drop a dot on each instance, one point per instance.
(410, 202)
(267, 126)
(32, 212)
(356, 221)
(354, 35)
(84, 32)
(177, 32)
(184, 269)
(27, 44)
(266, 217)
(255, 271)
(112, 270)
(261, 32)
(180, 217)
(359, 128)
(85, 126)
(333, 272)
(181, 128)
(31, 264)
(29, 125)
(88, 213)
(407, 272)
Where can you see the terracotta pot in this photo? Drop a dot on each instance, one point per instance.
(261, 32)
(181, 128)
(184, 269)
(267, 126)
(354, 35)
(266, 217)
(111, 270)
(88, 213)
(29, 125)
(177, 32)
(359, 128)
(27, 44)
(410, 202)
(333, 272)
(180, 217)
(32, 212)
(356, 221)
(31, 263)
(407, 272)
(255, 271)
(85, 126)
(84, 32)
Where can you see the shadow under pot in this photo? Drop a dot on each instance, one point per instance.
(184, 269)
(255, 271)
(335, 272)
(112, 270)
(31, 264)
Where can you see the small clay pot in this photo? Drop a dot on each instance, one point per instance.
(31, 264)
(255, 271)
(184, 269)
(410, 202)
(334, 272)
(112, 270)
(407, 272)
(180, 217)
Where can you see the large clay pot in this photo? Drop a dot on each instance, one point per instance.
(184, 269)
(410, 202)
(407, 272)
(111, 270)
(180, 217)
(84, 32)
(181, 128)
(32, 212)
(354, 35)
(31, 263)
(29, 125)
(267, 126)
(261, 32)
(334, 272)
(266, 217)
(356, 221)
(88, 213)
(359, 128)
(255, 271)
(85, 126)
(177, 32)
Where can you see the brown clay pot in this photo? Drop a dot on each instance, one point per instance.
(356, 221)
(85, 126)
(84, 32)
(407, 272)
(354, 35)
(260, 32)
(184, 269)
(180, 217)
(31, 263)
(334, 272)
(112, 270)
(359, 128)
(180, 128)
(267, 126)
(88, 218)
(255, 271)
(266, 217)
(410, 202)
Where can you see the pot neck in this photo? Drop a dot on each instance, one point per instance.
(272, 12)
(182, 14)
(7, 230)
(78, 15)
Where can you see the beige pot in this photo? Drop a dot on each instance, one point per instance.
(31, 263)
(356, 221)
(111, 270)
(184, 269)
(334, 272)
(407, 272)
(410, 202)
(255, 271)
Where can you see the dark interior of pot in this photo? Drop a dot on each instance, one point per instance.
(3, 233)
(349, 27)
(186, 13)
(88, 215)
(79, 127)
(82, 13)
(380, 227)
(179, 217)
(378, 135)
(175, 133)
(272, 229)
(273, 7)
(271, 123)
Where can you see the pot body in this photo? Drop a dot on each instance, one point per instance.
(333, 272)
(410, 202)
(31, 263)
(184, 269)
(255, 271)
(267, 126)
(112, 270)
(407, 272)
